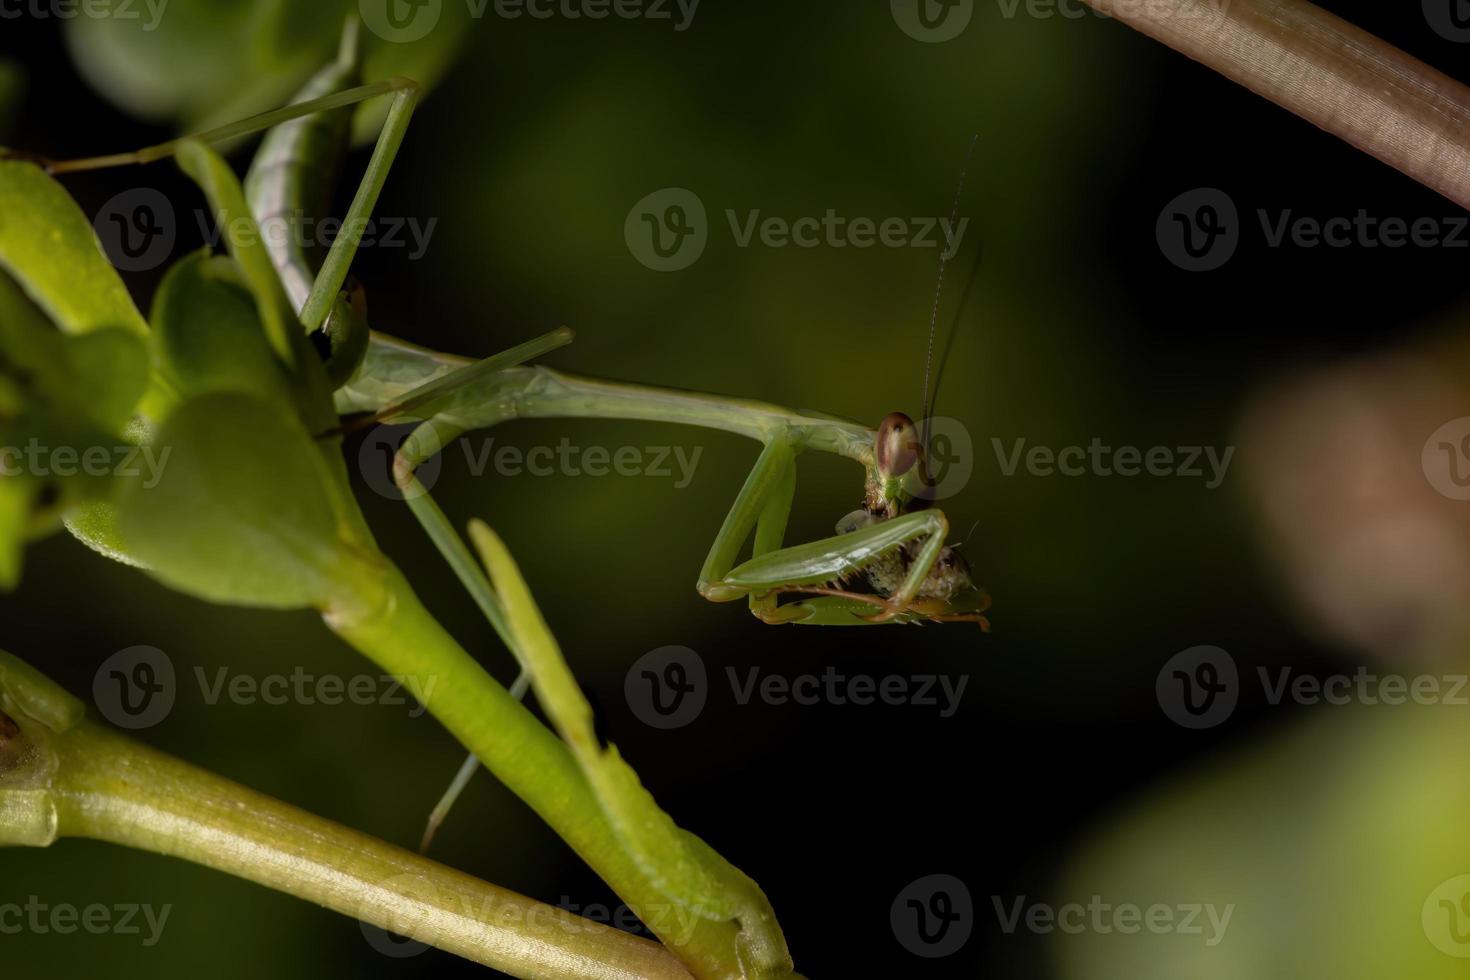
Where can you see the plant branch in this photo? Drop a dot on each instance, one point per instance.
(63, 776)
(1343, 79)
(386, 622)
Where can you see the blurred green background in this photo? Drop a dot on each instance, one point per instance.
(1059, 778)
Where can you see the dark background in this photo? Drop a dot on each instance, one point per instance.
(529, 153)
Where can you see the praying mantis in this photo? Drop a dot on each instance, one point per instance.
(893, 544)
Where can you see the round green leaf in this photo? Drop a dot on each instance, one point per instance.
(208, 335)
(242, 513)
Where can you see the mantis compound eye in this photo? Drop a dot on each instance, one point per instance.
(897, 447)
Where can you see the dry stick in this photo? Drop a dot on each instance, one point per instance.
(1327, 71)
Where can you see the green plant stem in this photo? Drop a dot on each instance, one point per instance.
(398, 633)
(88, 781)
(1327, 71)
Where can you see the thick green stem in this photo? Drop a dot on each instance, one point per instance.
(398, 634)
(65, 777)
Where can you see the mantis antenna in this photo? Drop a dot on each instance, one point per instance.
(926, 404)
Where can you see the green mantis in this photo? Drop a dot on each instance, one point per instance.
(894, 545)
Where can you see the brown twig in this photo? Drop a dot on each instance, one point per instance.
(1317, 65)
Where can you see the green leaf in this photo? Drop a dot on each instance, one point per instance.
(65, 401)
(210, 62)
(1330, 834)
(99, 375)
(227, 199)
(48, 246)
(208, 335)
(243, 513)
(185, 65)
(94, 524)
(282, 327)
(649, 834)
(111, 368)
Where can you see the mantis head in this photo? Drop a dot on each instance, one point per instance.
(898, 466)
